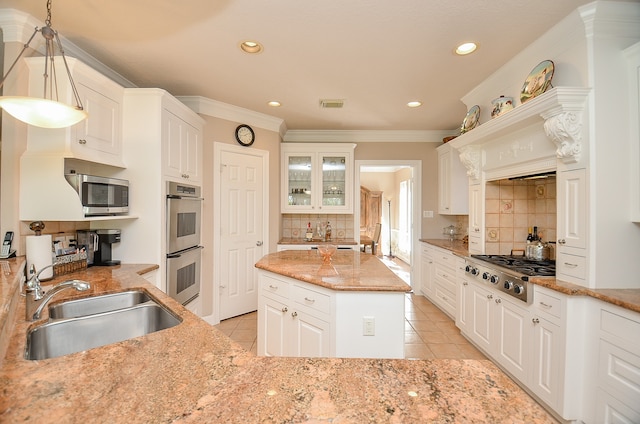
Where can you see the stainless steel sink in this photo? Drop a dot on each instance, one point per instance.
(98, 304)
(62, 337)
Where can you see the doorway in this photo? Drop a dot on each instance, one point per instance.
(241, 187)
(400, 184)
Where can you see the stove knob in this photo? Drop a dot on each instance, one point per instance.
(508, 285)
(518, 289)
(495, 279)
(474, 271)
(485, 275)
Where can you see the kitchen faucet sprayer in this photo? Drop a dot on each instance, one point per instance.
(36, 296)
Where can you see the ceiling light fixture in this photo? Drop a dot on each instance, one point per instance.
(251, 47)
(274, 103)
(466, 48)
(414, 104)
(45, 112)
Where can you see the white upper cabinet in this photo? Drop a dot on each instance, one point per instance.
(452, 183)
(182, 147)
(96, 139)
(317, 177)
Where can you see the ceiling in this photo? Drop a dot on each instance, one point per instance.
(376, 55)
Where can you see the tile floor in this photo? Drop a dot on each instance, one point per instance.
(429, 332)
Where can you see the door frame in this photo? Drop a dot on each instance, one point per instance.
(218, 148)
(416, 230)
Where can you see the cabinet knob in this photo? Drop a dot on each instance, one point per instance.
(259, 243)
(285, 309)
(498, 300)
(82, 141)
(535, 320)
(294, 314)
(464, 283)
(489, 296)
(561, 241)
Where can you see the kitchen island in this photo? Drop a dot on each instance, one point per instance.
(193, 373)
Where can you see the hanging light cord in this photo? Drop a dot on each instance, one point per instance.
(49, 35)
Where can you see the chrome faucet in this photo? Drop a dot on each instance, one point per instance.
(38, 299)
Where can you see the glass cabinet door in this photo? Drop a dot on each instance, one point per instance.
(299, 183)
(333, 180)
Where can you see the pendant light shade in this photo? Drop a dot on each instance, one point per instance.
(46, 111)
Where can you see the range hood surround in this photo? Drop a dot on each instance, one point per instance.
(517, 144)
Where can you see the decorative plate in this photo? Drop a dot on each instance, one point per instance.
(538, 81)
(471, 120)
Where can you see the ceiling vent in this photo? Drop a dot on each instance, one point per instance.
(331, 103)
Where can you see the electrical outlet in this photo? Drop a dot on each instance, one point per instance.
(368, 326)
(427, 214)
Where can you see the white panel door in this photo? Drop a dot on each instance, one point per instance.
(241, 232)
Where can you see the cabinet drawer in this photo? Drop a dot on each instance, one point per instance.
(274, 287)
(547, 304)
(312, 299)
(618, 325)
(446, 299)
(446, 273)
(572, 265)
(619, 371)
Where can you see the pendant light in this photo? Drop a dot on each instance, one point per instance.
(46, 111)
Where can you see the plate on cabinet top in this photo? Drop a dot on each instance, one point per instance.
(471, 120)
(538, 81)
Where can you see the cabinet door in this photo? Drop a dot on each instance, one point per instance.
(427, 272)
(336, 176)
(101, 131)
(482, 330)
(191, 152)
(273, 327)
(299, 183)
(465, 303)
(545, 361)
(310, 337)
(572, 209)
(476, 219)
(513, 329)
(444, 194)
(182, 148)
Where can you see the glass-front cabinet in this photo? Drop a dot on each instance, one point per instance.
(317, 177)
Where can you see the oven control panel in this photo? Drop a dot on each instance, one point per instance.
(512, 285)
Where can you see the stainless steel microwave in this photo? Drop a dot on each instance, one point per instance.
(101, 195)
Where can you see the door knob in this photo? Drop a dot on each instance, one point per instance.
(259, 243)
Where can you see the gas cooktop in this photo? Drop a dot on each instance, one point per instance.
(521, 265)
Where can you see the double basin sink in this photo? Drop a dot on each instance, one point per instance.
(82, 324)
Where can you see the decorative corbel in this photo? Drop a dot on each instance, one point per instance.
(470, 158)
(565, 131)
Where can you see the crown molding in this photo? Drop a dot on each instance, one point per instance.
(221, 110)
(366, 136)
(18, 27)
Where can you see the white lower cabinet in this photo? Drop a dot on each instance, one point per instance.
(618, 393)
(305, 320)
(426, 270)
(439, 278)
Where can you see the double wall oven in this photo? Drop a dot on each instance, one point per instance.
(184, 210)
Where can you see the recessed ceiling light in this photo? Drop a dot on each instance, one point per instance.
(414, 104)
(466, 48)
(250, 46)
(274, 103)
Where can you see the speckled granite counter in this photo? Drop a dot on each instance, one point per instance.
(349, 270)
(457, 246)
(297, 241)
(193, 373)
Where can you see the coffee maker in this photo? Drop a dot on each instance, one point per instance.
(102, 256)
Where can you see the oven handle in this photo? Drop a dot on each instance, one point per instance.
(175, 196)
(183, 252)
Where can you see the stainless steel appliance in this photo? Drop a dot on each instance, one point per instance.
(184, 210)
(507, 273)
(88, 240)
(102, 255)
(101, 195)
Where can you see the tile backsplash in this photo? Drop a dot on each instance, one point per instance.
(294, 225)
(511, 207)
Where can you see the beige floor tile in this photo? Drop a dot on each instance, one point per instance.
(411, 337)
(417, 351)
(446, 350)
(434, 337)
(240, 335)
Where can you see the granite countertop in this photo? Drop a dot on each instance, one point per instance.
(625, 298)
(456, 246)
(193, 373)
(349, 270)
(337, 241)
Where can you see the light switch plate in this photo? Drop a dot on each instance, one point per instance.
(368, 326)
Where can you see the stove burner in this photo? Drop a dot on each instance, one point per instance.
(521, 265)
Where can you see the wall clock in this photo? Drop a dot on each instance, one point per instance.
(245, 135)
